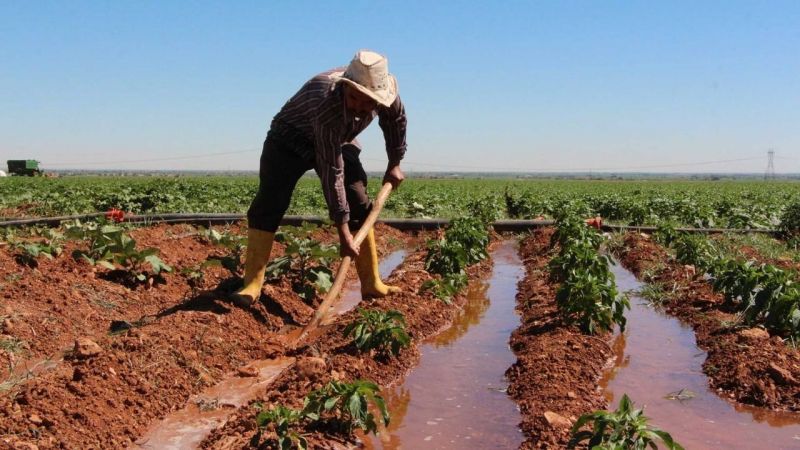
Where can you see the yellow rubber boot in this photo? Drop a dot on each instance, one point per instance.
(367, 268)
(259, 246)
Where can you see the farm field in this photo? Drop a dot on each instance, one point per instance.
(121, 336)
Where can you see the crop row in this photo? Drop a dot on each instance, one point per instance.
(588, 293)
(710, 204)
(762, 294)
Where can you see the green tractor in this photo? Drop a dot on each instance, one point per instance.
(24, 167)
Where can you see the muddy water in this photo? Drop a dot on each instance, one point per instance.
(185, 429)
(455, 398)
(658, 355)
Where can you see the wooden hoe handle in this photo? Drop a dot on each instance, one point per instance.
(341, 274)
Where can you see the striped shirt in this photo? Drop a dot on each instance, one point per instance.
(317, 115)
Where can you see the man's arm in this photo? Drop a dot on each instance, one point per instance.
(392, 120)
(330, 168)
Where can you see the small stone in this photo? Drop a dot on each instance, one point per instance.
(780, 374)
(112, 371)
(311, 367)
(556, 420)
(205, 378)
(86, 348)
(34, 419)
(78, 374)
(754, 334)
(571, 394)
(247, 371)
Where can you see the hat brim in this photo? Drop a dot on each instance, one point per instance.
(385, 96)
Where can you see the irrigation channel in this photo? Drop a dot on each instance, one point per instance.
(658, 356)
(456, 397)
(186, 428)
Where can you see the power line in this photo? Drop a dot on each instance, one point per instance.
(171, 158)
(578, 169)
(442, 166)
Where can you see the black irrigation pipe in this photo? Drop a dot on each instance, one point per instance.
(400, 224)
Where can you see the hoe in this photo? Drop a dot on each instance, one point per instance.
(295, 338)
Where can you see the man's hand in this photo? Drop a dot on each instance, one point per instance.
(346, 245)
(394, 175)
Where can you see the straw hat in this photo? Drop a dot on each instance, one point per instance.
(369, 73)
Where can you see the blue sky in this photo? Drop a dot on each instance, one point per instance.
(628, 86)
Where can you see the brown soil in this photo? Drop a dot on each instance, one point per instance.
(425, 316)
(556, 377)
(183, 340)
(746, 365)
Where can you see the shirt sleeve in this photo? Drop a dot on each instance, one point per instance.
(392, 120)
(330, 168)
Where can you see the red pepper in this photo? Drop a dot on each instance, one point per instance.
(116, 215)
(595, 222)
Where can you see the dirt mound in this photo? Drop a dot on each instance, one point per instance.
(555, 378)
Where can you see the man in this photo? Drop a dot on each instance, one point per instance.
(317, 129)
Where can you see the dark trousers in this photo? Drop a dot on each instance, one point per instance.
(279, 171)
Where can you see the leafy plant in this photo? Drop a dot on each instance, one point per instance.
(379, 330)
(110, 246)
(464, 243)
(696, 250)
(760, 292)
(236, 246)
(578, 255)
(194, 276)
(571, 228)
(666, 233)
(282, 421)
(486, 209)
(27, 253)
(625, 428)
(45, 242)
(592, 302)
(348, 404)
(445, 257)
(790, 221)
(305, 260)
